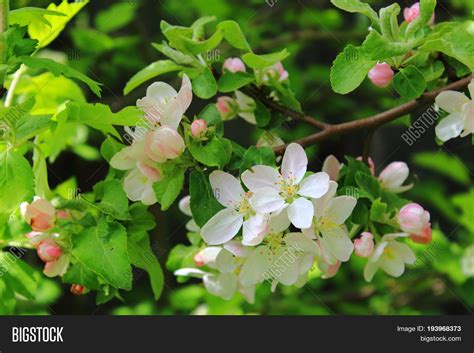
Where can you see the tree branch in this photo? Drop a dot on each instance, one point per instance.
(376, 120)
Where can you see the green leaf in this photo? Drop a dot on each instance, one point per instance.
(169, 188)
(356, 6)
(360, 215)
(29, 126)
(80, 274)
(377, 47)
(262, 61)
(103, 250)
(60, 69)
(8, 302)
(45, 33)
(214, 153)
(349, 69)
(205, 85)
(230, 81)
(110, 147)
(20, 276)
(142, 220)
(409, 82)
(153, 70)
(203, 203)
(142, 257)
(180, 256)
(113, 199)
(25, 15)
(378, 211)
(432, 72)
(115, 17)
(368, 184)
(17, 47)
(257, 156)
(448, 165)
(175, 55)
(213, 118)
(389, 21)
(234, 35)
(457, 43)
(100, 117)
(16, 181)
(262, 115)
(198, 26)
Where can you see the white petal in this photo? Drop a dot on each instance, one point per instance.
(149, 196)
(236, 248)
(285, 268)
(253, 231)
(278, 222)
(369, 271)
(222, 227)
(137, 186)
(338, 243)
(451, 101)
(225, 261)
(404, 252)
(301, 243)
(266, 200)
(160, 92)
(208, 256)
(450, 127)
(227, 189)
(260, 176)
(256, 265)
(468, 112)
(294, 163)
(331, 166)
(57, 268)
(123, 160)
(177, 106)
(300, 213)
(393, 266)
(189, 272)
(340, 208)
(184, 205)
(223, 285)
(321, 203)
(315, 185)
(248, 293)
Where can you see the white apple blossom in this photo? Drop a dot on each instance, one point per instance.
(275, 191)
(389, 255)
(328, 227)
(238, 212)
(460, 120)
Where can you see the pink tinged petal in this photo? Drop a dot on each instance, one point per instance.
(338, 243)
(340, 208)
(151, 172)
(411, 13)
(468, 112)
(207, 256)
(370, 270)
(190, 272)
(253, 231)
(256, 266)
(424, 237)
(233, 65)
(56, 268)
(261, 176)
(394, 175)
(226, 188)
(412, 218)
(451, 101)
(199, 128)
(381, 75)
(331, 166)
(123, 160)
(316, 185)
(222, 227)
(178, 106)
(364, 246)
(450, 127)
(236, 248)
(163, 143)
(294, 163)
(329, 270)
(300, 213)
(48, 250)
(266, 200)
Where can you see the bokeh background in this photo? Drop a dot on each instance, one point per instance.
(110, 41)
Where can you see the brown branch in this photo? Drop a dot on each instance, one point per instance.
(378, 119)
(255, 93)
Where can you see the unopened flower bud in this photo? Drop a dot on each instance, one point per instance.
(77, 289)
(199, 128)
(233, 65)
(48, 250)
(393, 177)
(413, 219)
(364, 246)
(39, 214)
(226, 106)
(381, 75)
(413, 12)
(163, 143)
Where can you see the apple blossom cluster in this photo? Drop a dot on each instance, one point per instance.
(41, 216)
(276, 224)
(157, 142)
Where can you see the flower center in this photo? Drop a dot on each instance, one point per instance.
(288, 189)
(274, 242)
(325, 223)
(244, 207)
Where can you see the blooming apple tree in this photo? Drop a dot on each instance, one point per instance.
(258, 213)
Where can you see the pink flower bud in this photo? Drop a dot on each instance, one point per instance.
(207, 256)
(381, 75)
(163, 143)
(414, 220)
(364, 246)
(371, 164)
(63, 214)
(40, 214)
(233, 65)
(78, 289)
(48, 250)
(413, 12)
(225, 106)
(393, 177)
(199, 128)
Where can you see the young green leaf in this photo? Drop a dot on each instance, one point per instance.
(368, 184)
(356, 6)
(214, 153)
(377, 47)
(262, 61)
(409, 82)
(169, 188)
(205, 85)
(257, 156)
(25, 15)
(113, 200)
(233, 35)
(389, 21)
(231, 81)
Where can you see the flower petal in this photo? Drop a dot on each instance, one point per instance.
(222, 227)
(256, 265)
(223, 285)
(468, 112)
(338, 243)
(300, 213)
(392, 266)
(226, 188)
(370, 270)
(322, 203)
(294, 163)
(301, 242)
(260, 176)
(404, 252)
(266, 200)
(340, 208)
(190, 272)
(253, 231)
(450, 127)
(451, 101)
(315, 185)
